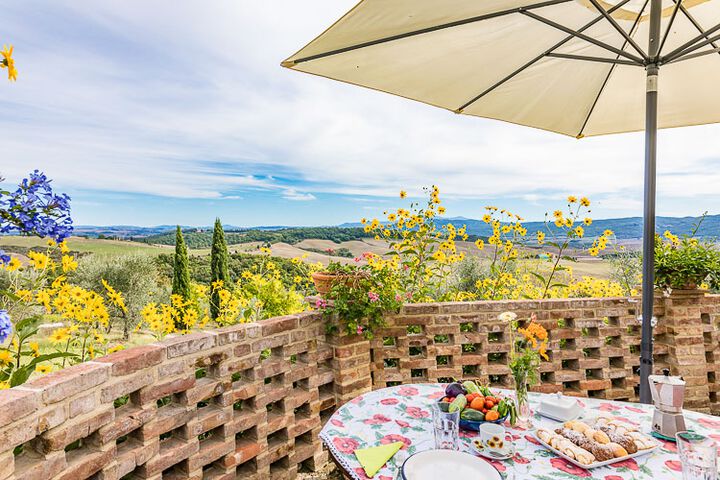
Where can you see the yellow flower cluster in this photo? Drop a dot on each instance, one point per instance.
(8, 62)
(600, 243)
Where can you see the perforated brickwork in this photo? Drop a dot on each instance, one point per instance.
(248, 401)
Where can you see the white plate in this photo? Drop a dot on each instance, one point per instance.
(596, 464)
(574, 415)
(435, 464)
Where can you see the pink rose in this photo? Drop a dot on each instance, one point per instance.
(630, 464)
(416, 412)
(377, 419)
(345, 445)
(337, 423)
(407, 391)
(569, 468)
(389, 401)
(709, 423)
(402, 424)
(673, 465)
(392, 438)
(613, 477)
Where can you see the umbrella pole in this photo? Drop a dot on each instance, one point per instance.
(648, 267)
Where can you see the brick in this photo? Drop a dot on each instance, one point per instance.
(133, 359)
(62, 384)
(163, 389)
(191, 343)
(16, 403)
(276, 325)
(126, 385)
(76, 428)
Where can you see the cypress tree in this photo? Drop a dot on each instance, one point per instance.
(218, 265)
(181, 270)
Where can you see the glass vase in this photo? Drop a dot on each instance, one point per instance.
(522, 402)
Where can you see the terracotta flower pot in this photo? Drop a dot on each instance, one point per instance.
(324, 281)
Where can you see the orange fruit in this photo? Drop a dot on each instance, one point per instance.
(477, 404)
(492, 415)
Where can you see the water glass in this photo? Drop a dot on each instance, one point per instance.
(698, 456)
(447, 428)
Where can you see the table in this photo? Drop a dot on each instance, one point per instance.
(402, 413)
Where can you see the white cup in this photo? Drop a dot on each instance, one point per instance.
(492, 436)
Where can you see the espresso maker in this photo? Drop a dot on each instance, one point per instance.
(668, 394)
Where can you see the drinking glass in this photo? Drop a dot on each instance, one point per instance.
(698, 456)
(447, 428)
(521, 465)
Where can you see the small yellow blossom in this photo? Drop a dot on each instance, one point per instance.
(572, 199)
(5, 357)
(43, 368)
(403, 194)
(13, 265)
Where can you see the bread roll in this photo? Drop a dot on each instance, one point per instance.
(590, 433)
(579, 454)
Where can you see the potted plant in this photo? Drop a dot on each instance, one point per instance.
(335, 273)
(685, 263)
(362, 297)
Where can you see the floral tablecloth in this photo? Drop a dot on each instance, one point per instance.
(403, 414)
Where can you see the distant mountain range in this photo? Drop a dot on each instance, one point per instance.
(625, 228)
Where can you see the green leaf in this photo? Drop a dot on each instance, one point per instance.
(48, 356)
(20, 376)
(561, 285)
(538, 276)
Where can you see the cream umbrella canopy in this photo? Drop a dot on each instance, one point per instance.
(575, 67)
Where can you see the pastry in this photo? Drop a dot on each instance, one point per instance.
(626, 442)
(641, 441)
(618, 450)
(600, 436)
(602, 452)
(580, 454)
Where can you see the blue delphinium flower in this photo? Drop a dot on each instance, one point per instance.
(4, 257)
(5, 325)
(35, 210)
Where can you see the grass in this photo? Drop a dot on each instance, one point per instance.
(88, 245)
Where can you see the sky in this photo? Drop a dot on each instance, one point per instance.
(175, 112)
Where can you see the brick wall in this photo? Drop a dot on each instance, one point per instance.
(249, 401)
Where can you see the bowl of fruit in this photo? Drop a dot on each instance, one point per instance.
(477, 404)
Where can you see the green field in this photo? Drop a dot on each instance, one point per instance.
(87, 245)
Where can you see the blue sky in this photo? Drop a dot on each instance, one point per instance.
(171, 112)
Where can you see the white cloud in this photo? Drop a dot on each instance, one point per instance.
(187, 99)
(294, 195)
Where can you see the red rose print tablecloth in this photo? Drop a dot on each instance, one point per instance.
(403, 414)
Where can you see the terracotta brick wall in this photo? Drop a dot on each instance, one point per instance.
(249, 401)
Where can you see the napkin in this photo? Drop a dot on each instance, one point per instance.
(373, 458)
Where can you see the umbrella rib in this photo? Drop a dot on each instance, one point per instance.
(692, 19)
(614, 61)
(628, 38)
(582, 36)
(434, 28)
(694, 55)
(536, 59)
(678, 4)
(708, 41)
(607, 78)
(682, 48)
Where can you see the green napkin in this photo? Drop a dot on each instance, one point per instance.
(372, 459)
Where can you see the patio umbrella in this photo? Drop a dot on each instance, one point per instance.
(575, 67)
